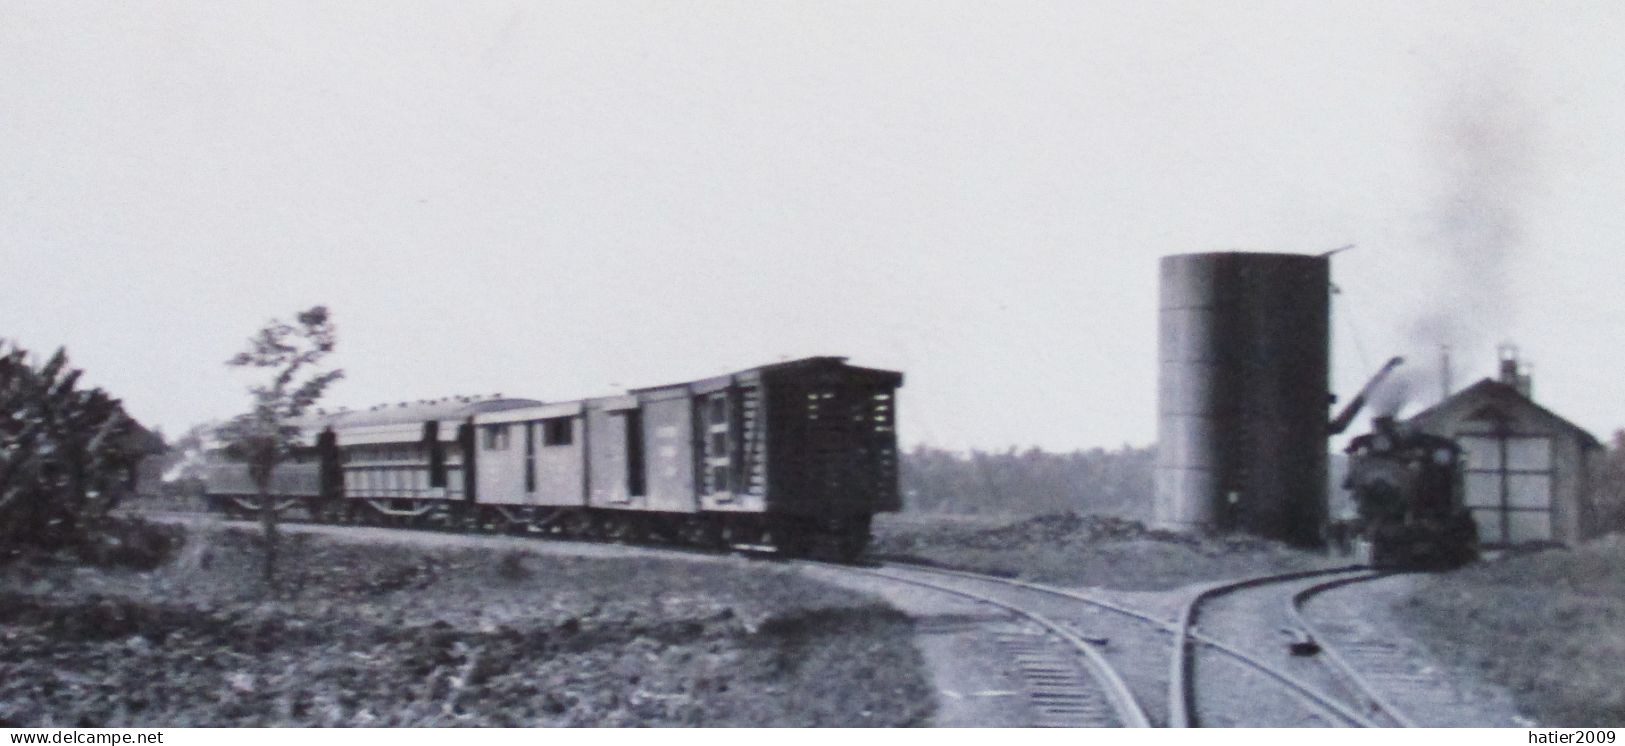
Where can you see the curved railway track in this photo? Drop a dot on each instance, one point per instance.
(1180, 682)
(1341, 659)
(1105, 699)
(1059, 698)
(1182, 677)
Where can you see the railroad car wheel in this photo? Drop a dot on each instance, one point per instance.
(791, 542)
(661, 530)
(849, 546)
(578, 525)
(465, 517)
(620, 528)
(701, 531)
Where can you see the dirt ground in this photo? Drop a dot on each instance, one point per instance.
(1084, 550)
(390, 634)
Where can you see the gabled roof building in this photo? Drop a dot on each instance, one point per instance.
(1527, 470)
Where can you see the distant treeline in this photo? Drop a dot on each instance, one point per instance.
(1608, 486)
(1119, 482)
(1030, 482)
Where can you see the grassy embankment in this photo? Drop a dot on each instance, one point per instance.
(404, 635)
(1549, 626)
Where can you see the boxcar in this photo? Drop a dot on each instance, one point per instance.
(796, 455)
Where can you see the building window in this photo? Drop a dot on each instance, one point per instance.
(557, 432)
(496, 437)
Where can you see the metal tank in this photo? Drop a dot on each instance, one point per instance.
(1243, 392)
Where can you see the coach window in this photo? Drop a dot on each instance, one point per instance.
(496, 437)
(556, 431)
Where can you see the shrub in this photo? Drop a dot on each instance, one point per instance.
(67, 455)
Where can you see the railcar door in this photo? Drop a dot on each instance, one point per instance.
(716, 447)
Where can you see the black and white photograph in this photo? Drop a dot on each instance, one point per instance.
(811, 364)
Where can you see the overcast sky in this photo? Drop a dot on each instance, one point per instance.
(559, 200)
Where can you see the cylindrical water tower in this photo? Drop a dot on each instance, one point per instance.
(1243, 393)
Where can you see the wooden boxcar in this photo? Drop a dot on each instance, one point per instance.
(796, 455)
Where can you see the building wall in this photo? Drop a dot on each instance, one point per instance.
(1568, 458)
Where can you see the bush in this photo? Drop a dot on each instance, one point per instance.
(1030, 482)
(66, 455)
(130, 543)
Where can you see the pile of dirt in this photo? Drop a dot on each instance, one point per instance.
(389, 635)
(1087, 549)
(1063, 529)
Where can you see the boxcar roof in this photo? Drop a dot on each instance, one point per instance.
(823, 362)
(452, 408)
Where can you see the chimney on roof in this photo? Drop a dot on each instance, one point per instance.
(1514, 373)
(1445, 384)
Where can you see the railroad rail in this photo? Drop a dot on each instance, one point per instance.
(1181, 678)
(1186, 634)
(1339, 658)
(1054, 694)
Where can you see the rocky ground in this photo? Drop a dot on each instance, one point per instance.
(1084, 550)
(389, 634)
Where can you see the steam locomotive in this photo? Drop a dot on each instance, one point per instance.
(797, 456)
(1408, 489)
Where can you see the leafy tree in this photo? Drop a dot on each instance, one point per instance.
(266, 435)
(1608, 486)
(66, 454)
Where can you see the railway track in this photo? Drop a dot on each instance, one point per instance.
(1361, 661)
(1056, 692)
(1185, 708)
(1070, 683)
(1330, 704)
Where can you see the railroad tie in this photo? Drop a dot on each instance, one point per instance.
(1056, 690)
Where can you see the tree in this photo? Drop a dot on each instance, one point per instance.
(1030, 482)
(266, 435)
(1608, 487)
(66, 454)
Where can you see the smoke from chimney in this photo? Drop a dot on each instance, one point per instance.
(1484, 146)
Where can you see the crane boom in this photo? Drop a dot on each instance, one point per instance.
(1346, 417)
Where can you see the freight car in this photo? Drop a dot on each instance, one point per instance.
(1407, 487)
(797, 456)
